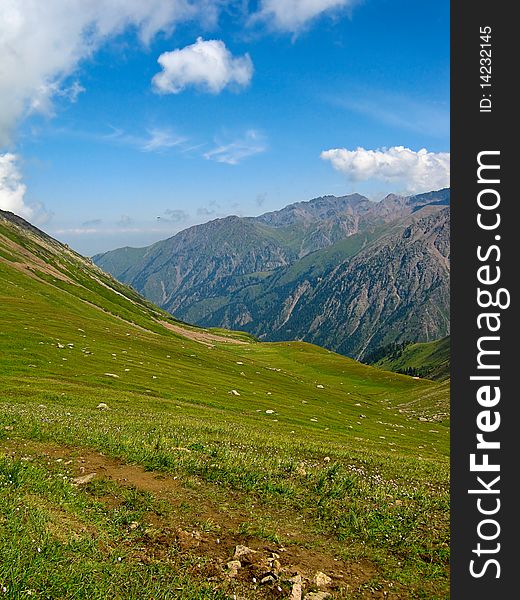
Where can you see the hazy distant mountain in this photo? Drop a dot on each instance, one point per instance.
(343, 272)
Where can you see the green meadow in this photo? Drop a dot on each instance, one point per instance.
(204, 440)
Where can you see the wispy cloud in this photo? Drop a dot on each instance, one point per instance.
(260, 199)
(161, 139)
(105, 230)
(155, 140)
(235, 151)
(92, 223)
(125, 221)
(174, 215)
(396, 110)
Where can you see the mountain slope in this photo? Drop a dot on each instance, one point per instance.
(394, 289)
(430, 360)
(313, 271)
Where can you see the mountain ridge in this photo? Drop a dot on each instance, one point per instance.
(257, 273)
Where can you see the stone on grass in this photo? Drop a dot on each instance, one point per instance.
(82, 480)
(102, 406)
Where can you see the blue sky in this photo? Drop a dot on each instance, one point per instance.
(97, 149)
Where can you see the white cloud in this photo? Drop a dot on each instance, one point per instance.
(155, 140)
(417, 171)
(161, 139)
(294, 15)
(231, 153)
(43, 42)
(12, 191)
(206, 64)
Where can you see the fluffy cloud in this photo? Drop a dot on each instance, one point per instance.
(294, 15)
(233, 152)
(12, 191)
(206, 64)
(417, 171)
(42, 44)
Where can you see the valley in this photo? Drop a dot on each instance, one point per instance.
(141, 455)
(346, 273)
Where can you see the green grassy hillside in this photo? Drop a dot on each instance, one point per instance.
(430, 360)
(209, 439)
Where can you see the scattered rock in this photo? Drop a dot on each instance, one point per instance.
(241, 551)
(267, 579)
(320, 386)
(102, 406)
(269, 412)
(234, 393)
(276, 565)
(111, 375)
(321, 580)
(9, 427)
(326, 459)
(296, 591)
(83, 479)
(301, 470)
(233, 566)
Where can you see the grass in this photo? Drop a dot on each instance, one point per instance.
(430, 360)
(284, 444)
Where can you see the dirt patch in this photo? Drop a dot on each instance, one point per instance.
(209, 529)
(29, 261)
(203, 337)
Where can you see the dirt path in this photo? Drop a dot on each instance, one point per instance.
(203, 337)
(303, 558)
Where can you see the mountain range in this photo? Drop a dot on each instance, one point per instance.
(346, 273)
